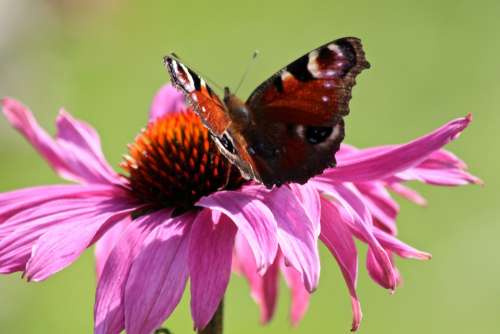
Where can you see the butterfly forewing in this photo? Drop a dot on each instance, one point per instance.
(199, 95)
(213, 113)
(314, 89)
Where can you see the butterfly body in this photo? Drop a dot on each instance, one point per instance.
(291, 125)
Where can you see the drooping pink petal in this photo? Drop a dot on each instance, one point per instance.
(380, 203)
(20, 232)
(61, 245)
(297, 235)
(210, 252)
(158, 276)
(338, 239)
(359, 218)
(270, 291)
(16, 201)
(400, 248)
(377, 273)
(107, 243)
(300, 296)
(368, 166)
(254, 219)
(408, 193)
(264, 288)
(167, 99)
(109, 317)
(73, 155)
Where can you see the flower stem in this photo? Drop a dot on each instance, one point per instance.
(215, 325)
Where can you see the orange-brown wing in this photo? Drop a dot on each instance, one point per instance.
(199, 95)
(315, 89)
(213, 114)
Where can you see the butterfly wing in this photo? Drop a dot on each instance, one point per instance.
(298, 112)
(213, 114)
(199, 95)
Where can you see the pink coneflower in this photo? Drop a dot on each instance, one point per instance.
(360, 208)
(181, 211)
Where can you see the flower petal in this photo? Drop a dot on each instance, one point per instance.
(107, 243)
(400, 248)
(167, 99)
(357, 215)
(20, 232)
(109, 305)
(380, 165)
(377, 273)
(441, 168)
(309, 198)
(17, 201)
(63, 244)
(408, 193)
(158, 276)
(210, 252)
(297, 235)
(264, 288)
(74, 155)
(300, 296)
(444, 157)
(380, 203)
(82, 149)
(345, 152)
(254, 220)
(338, 239)
(23, 121)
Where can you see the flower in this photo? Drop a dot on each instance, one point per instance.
(354, 203)
(181, 210)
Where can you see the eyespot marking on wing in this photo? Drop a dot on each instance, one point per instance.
(317, 135)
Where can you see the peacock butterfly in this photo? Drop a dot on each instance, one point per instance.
(292, 125)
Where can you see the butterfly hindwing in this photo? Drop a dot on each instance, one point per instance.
(285, 152)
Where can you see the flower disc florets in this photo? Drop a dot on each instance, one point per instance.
(173, 163)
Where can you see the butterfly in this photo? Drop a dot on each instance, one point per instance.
(291, 126)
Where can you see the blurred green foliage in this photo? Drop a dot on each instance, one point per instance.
(431, 61)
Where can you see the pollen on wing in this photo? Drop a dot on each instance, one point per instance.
(173, 162)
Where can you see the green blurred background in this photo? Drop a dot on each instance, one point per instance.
(431, 61)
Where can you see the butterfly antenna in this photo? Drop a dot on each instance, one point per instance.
(245, 74)
(207, 78)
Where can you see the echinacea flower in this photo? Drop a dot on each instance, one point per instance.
(181, 211)
(359, 208)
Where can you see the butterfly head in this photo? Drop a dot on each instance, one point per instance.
(237, 109)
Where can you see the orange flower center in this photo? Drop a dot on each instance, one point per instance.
(173, 163)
